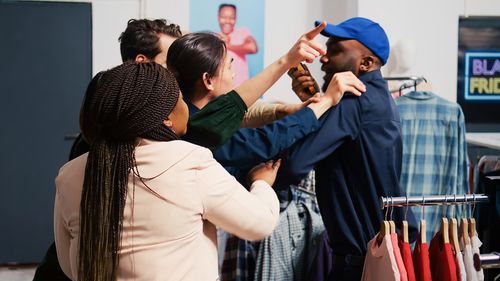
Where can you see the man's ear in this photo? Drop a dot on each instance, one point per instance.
(141, 58)
(367, 64)
(207, 82)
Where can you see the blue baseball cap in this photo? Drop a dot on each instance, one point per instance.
(363, 30)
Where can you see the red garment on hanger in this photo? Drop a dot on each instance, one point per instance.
(407, 259)
(421, 262)
(443, 267)
(399, 259)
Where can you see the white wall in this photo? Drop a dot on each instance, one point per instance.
(110, 19)
(431, 25)
(283, 28)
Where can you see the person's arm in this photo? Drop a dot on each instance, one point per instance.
(340, 123)
(260, 114)
(263, 113)
(249, 46)
(250, 215)
(305, 49)
(62, 238)
(250, 146)
(221, 117)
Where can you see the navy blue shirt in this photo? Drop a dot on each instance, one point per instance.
(357, 155)
(249, 147)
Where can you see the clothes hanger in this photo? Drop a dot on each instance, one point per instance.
(423, 230)
(392, 225)
(405, 224)
(454, 231)
(444, 225)
(412, 81)
(464, 226)
(472, 220)
(384, 229)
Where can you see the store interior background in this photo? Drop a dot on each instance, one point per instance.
(429, 26)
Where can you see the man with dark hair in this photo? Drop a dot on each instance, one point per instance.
(357, 151)
(239, 42)
(148, 40)
(142, 41)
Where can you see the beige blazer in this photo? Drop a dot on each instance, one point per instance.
(171, 237)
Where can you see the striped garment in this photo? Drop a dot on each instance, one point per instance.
(240, 255)
(434, 153)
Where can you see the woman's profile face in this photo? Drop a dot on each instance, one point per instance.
(223, 81)
(179, 117)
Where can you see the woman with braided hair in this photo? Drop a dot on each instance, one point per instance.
(142, 204)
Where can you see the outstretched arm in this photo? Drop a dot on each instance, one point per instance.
(305, 49)
(251, 146)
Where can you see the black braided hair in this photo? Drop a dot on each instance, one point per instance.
(128, 102)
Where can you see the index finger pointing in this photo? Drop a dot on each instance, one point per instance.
(313, 33)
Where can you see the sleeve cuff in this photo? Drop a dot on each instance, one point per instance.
(237, 100)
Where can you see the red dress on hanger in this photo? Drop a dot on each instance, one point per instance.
(442, 260)
(407, 259)
(421, 262)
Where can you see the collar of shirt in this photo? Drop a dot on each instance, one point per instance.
(372, 75)
(191, 107)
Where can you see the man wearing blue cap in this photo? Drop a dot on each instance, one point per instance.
(358, 149)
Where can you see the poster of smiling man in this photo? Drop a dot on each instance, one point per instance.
(237, 23)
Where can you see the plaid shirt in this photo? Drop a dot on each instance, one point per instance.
(240, 255)
(434, 152)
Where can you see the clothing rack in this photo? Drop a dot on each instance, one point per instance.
(491, 260)
(413, 81)
(433, 200)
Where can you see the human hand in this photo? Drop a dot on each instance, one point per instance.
(343, 82)
(305, 49)
(301, 82)
(284, 110)
(264, 171)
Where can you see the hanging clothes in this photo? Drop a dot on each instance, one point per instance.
(434, 150)
(407, 259)
(443, 266)
(421, 262)
(399, 260)
(459, 261)
(288, 253)
(380, 262)
(476, 244)
(323, 262)
(468, 261)
(240, 256)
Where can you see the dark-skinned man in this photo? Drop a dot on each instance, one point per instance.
(357, 151)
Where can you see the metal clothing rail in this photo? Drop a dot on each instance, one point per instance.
(413, 81)
(491, 260)
(414, 78)
(432, 200)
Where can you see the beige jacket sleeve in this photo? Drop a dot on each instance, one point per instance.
(250, 215)
(260, 114)
(63, 238)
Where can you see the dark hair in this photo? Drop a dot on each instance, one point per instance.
(227, 5)
(90, 131)
(124, 103)
(192, 55)
(142, 36)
